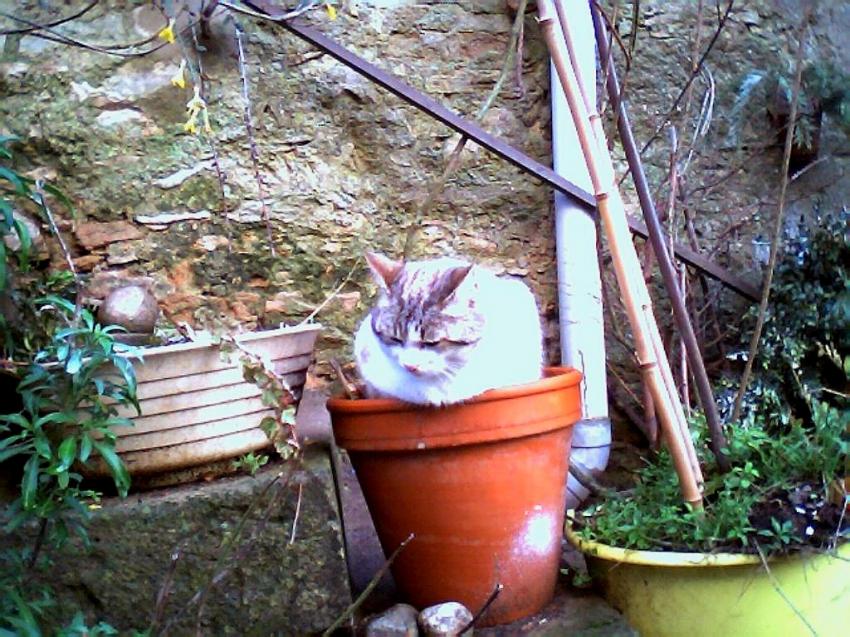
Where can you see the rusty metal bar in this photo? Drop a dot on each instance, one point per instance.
(442, 114)
(474, 132)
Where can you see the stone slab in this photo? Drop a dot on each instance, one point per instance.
(269, 579)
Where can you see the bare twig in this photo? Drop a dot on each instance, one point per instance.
(780, 216)
(279, 17)
(55, 36)
(164, 592)
(350, 388)
(252, 143)
(227, 548)
(487, 604)
(297, 513)
(55, 23)
(39, 188)
(357, 603)
(693, 74)
(329, 298)
(221, 177)
(778, 588)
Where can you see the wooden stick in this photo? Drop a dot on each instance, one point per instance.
(653, 364)
(654, 335)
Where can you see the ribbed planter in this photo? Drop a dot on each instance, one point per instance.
(481, 486)
(196, 406)
(667, 594)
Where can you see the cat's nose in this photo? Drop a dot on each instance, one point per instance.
(412, 368)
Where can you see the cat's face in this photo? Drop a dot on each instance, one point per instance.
(426, 318)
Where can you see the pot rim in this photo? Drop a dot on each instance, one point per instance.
(247, 337)
(555, 377)
(638, 557)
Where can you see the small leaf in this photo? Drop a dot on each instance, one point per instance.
(67, 452)
(3, 272)
(26, 243)
(29, 483)
(18, 183)
(116, 466)
(85, 448)
(75, 362)
(61, 196)
(42, 446)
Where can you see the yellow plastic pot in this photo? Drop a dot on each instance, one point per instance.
(666, 594)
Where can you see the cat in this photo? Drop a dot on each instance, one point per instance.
(444, 330)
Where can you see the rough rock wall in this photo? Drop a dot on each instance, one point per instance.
(344, 164)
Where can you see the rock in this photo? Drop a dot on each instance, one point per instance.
(133, 307)
(181, 306)
(177, 178)
(13, 241)
(271, 585)
(397, 621)
(111, 118)
(96, 234)
(445, 620)
(122, 252)
(87, 263)
(172, 217)
(211, 242)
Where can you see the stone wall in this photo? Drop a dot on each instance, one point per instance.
(344, 164)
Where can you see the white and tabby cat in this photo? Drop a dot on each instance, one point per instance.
(443, 331)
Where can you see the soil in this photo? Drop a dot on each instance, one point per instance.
(811, 515)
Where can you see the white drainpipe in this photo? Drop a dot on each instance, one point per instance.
(579, 287)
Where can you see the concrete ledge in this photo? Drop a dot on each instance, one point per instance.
(268, 584)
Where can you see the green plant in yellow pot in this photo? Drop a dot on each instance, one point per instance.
(768, 554)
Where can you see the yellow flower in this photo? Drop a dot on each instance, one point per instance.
(197, 103)
(94, 507)
(331, 10)
(191, 125)
(196, 108)
(167, 33)
(179, 77)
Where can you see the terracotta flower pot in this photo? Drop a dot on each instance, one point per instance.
(481, 485)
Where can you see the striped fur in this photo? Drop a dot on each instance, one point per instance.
(443, 331)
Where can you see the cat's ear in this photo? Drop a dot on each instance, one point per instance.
(451, 281)
(384, 269)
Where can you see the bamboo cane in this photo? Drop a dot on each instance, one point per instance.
(655, 336)
(627, 269)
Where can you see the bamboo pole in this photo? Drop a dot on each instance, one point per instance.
(652, 362)
(655, 336)
(717, 440)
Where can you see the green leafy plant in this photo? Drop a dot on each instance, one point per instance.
(793, 440)
(70, 395)
(250, 462)
(824, 89)
(22, 329)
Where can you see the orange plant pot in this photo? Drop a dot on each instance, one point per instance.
(481, 486)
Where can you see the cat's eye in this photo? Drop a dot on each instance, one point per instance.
(431, 344)
(393, 340)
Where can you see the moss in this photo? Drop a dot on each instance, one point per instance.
(292, 588)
